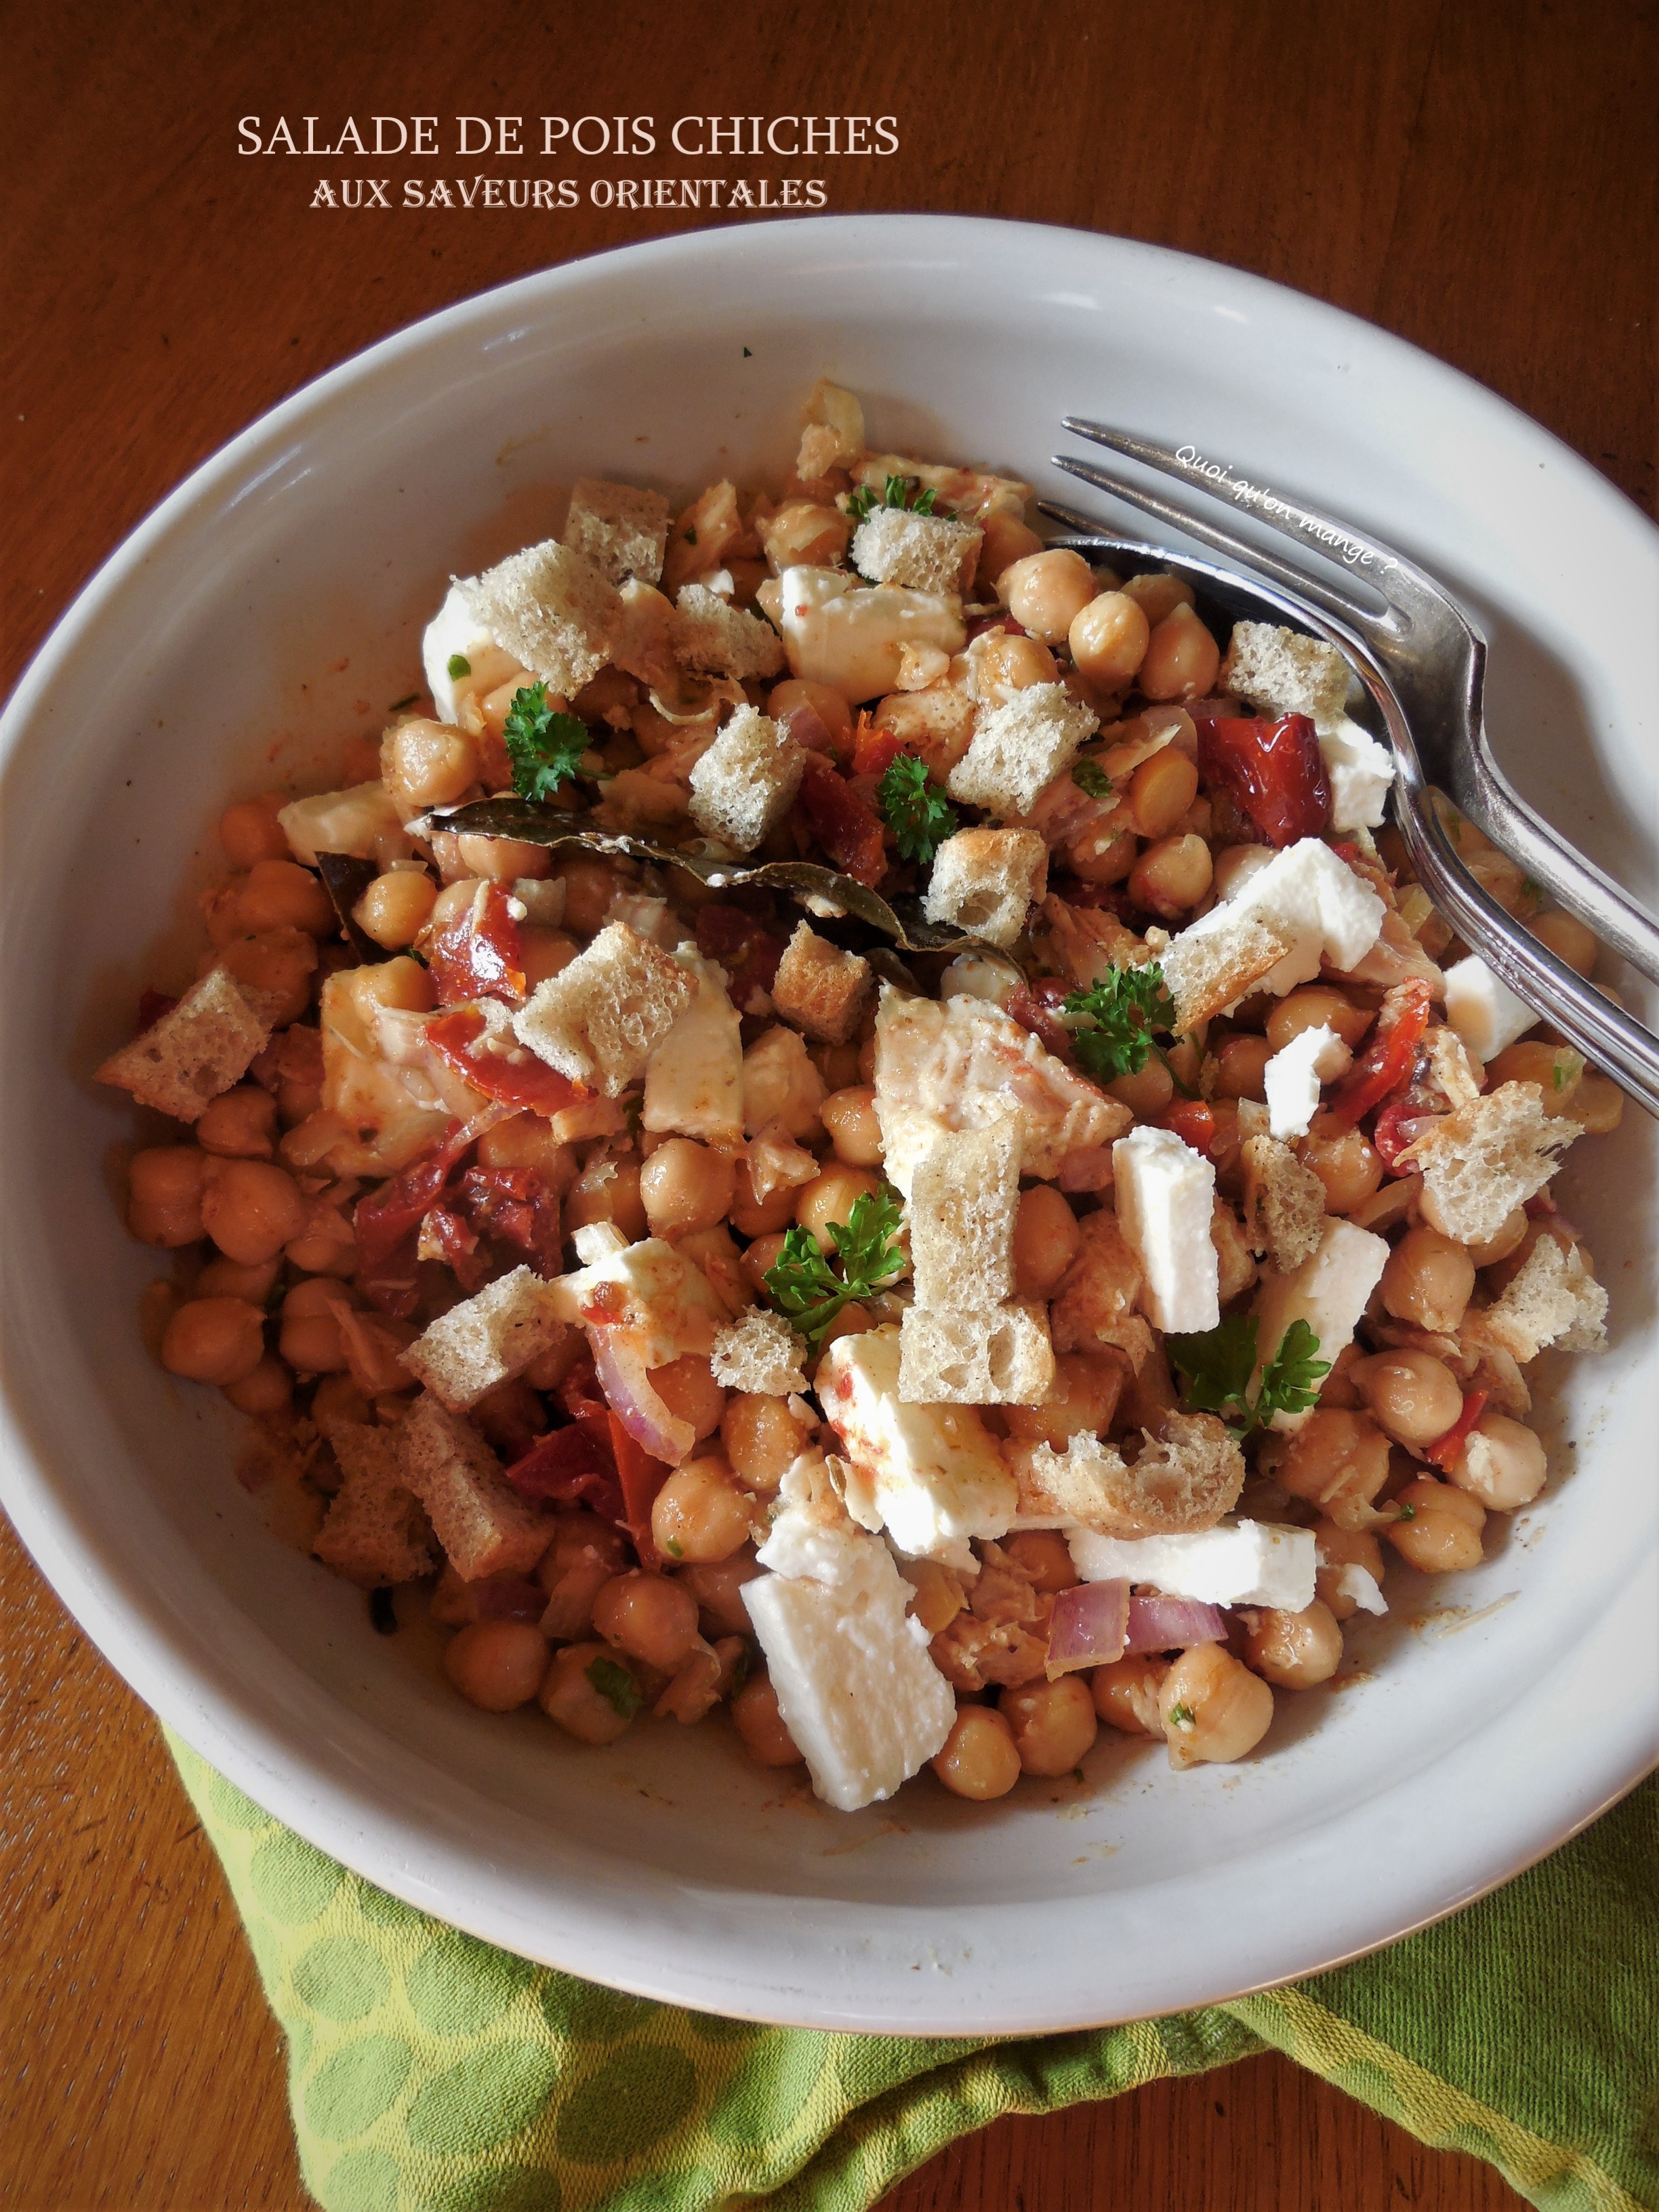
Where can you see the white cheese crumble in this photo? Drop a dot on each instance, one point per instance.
(1165, 1200)
(1483, 1009)
(1294, 1074)
(1237, 1563)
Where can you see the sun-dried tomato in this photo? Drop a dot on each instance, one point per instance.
(1388, 1061)
(641, 1478)
(748, 952)
(876, 750)
(1194, 1122)
(1444, 1451)
(515, 1205)
(1032, 1007)
(571, 1464)
(448, 1237)
(478, 953)
(1274, 770)
(1399, 1122)
(387, 1225)
(517, 1079)
(848, 827)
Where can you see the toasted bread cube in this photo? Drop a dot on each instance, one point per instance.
(710, 634)
(1208, 970)
(1554, 1299)
(925, 552)
(964, 1197)
(987, 880)
(600, 1019)
(1019, 748)
(820, 989)
(1283, 1203)
(195, 1051)
(376, 1530)
(976, 1356)
(1289, 674)
(551, 609)
(489, 1338)
(484, 1526)
(622, 532)
(759, 1353)
(1182, 1481)
(747, 782)
(1481, 1161)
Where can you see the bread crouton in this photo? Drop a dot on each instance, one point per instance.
(710, 634)
(1481, 1161)
(622, 531)
(1183, 1479)
(484, 1526)
(1094, 1301)
(551, 609)
(964, 1197)
(1283, 1203)
(832, 431)
(486, 1340)
(1554, 1299)
(1205, 971)
(1282, 670)
(987, 880)
(927, 552)
(600, 1019)
(746, 782)
(376, 1530)
(976, 1356)
(195, 1051)
(759, 1353)
(1019, 748)
(821, 990)
(641, 637)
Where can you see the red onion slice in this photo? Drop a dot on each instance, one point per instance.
(1087, 1626)
(1171, 1624)
(626, 1382)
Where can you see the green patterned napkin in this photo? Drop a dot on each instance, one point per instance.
(429, 2073)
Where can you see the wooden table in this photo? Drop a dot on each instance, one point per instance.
(1478, 175)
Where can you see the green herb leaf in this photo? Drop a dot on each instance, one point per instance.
(1217, 1365)
(1290, 1379)
(1183, 1716)
(674, 1549)
(923, 501)
(460, 665)
(1125, 1007)
(615, 1686)
(804, 1288)
(897, 489)
(859, 503)
(1088, 776)
(543, 746)
(1405, 1513)
(920, 817)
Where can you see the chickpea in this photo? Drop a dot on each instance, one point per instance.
(1339, 1548)
(718, 1588)
(311, 1341)
(1568, 938)
(1003, 663)
(1414, 1396)
(1171, 876)
(829, 704)
(249, 832)
(567, 1696)
(1007, 539)
(1316, 1006)
(1236, 864)
(1147, 1094)
(1598, 1105)
(1345, 1160)
(228, 1278)
(980, 1759)
(1437, 1530)
(849, 1115)
(240, 1124)
(545, 952)
(282, 895)
(685, 1186)
(1429, 1281)
(1339, 1460)
(1045, 1240)
(269, 1389)
(852, 1321)
(214, 1340)
(648, 1617)
(1181, 658)
(1125, 1694)
(1045, 1556)
(503, 860)
(1082, 1398)
(1046, 592)
(589, 887)
(761, 1256)
(327, 1245)
(336, 1399)
(1108, 638)
(607, 1190)
(526, 1141)
(763, 1219)
(1212, 1707)
(279, 964)
(763, 1437)
(765, 1736)
(402, 983)
(1160, 792)
(687, 1387)
(497, 1665)
(829, 1197)
(1242, 1067)
(250, 1209)
(1296, 1650)
(1158, 594)
(1556, 1070)
(699, 1514)
(164, 1195)
(1053, 1723)
(585, 1553)
(1503, 1462)
(427, 763)
(397, 907)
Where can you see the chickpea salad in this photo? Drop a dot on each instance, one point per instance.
(852, 1120)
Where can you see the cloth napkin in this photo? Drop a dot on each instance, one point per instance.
(429, 2073)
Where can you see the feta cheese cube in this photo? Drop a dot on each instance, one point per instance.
(1483, 1009)
(1310, 899)
(454, 629)
(1360, 1584)
(1294, 1074)
(1360, 771)
(647, 1289)
(932, 1475)
(1237, 1563)
(694, 1079)
(1165, 1199)
(853, 640)
(1329, 1290)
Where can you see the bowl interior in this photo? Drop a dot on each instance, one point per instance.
(271, 611)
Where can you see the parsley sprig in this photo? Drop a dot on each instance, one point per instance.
(804, 1288)
(1218, 1364)
(544, 745)
(615, 1686)
(863, 501)
(919, 814)
(1125, 1007)
(1091, 779)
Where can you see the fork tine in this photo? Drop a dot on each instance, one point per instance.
(1246, 556)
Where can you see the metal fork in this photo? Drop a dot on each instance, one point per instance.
(1423, 661)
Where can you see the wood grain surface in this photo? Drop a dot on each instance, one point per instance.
(1478, 175)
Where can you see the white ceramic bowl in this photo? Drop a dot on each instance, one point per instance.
(1505, 1708)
